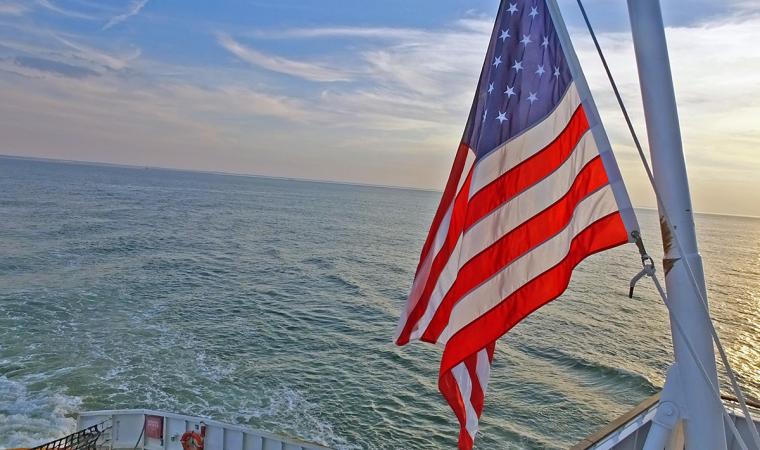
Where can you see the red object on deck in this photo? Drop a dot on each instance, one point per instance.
(154, 427)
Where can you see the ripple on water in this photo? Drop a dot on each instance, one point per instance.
(273, 303)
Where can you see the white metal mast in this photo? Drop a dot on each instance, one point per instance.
(698, 402)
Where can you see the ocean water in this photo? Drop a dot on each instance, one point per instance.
(272, 303)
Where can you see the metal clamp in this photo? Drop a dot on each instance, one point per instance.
(646, 261)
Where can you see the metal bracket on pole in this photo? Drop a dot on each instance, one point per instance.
(646, 262)
(668, 412)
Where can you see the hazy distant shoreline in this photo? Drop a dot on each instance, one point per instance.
(209, 172)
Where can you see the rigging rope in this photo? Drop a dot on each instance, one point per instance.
(650, 271)
(729, 371)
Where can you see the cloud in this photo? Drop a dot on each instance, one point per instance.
(122, 120)
(397, 121)
(387, 33)
(304, 70)
(133, 9)
(714, 84)
(408, 35)
(99, 57)
(39, 53)
(240, 101)
(49, 5)
(419, 83)
(51, 66)
(715, 93)
(13, 9)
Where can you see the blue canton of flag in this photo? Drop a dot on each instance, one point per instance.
(524, 76)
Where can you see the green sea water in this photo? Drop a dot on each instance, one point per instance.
(272, 303)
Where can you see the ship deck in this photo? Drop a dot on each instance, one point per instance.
(629, 431)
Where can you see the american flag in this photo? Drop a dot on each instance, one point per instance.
(534, 190)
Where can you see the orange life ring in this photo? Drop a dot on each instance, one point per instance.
(191, 441)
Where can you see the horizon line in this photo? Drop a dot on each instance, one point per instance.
(213, 172)
(275, 177)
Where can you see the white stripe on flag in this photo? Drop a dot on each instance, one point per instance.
(530, 142)
(529, 266)
(505, 219)
(443, 284)
(535, 199)
(422, 277)
(466, 170)
(464, 382)
(483, 369)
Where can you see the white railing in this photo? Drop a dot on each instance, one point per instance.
(128, 431)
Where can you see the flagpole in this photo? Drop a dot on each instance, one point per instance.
(702, 408)
(595, 122)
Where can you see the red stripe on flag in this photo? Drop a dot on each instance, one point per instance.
(603, 234)
(448, 196)
(456, 224)
(517, 242)
(450, 390)
(528, 172)
(491, 349)
(477, 396)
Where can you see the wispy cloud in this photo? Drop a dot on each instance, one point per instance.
(35, 52)
(385, 33)
(133, 9)
(49, 5)
(418, 84)
(240, 100)
(53, 66)
(99, 57)
(13, 9)
(156, 122)
(300, 69)
(407, 35)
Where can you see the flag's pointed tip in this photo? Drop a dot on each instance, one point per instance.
(466, 441)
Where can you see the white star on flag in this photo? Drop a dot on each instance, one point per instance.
(517, 66)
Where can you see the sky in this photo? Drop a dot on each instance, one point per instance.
(372, 92)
